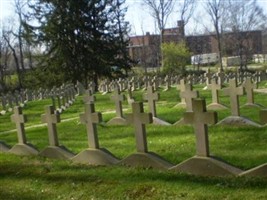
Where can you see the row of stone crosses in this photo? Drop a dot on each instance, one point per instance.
(197, 115)
(63, 96)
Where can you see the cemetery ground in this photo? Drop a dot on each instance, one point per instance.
(35, 177)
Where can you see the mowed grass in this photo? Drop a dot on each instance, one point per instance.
(26, 177)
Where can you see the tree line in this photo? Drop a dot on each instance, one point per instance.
(56, 41)
(66, 41)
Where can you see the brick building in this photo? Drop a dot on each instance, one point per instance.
(145, 49)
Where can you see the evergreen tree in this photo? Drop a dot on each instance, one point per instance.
(82, 38)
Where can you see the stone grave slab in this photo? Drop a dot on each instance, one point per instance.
(118, 98)
(142, 158)
(22, 147)
(152, 96)
(54, 150)
(203, 164)
(94, 155)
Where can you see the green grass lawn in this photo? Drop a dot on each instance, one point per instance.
(35, 177)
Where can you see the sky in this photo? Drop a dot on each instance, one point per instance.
(138, 16)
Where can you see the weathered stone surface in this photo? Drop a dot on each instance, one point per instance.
(215, 105)
(90, 118)
(188, 94)
(259, 171)
(24, 149)
(199, 117)
(238, 121)
(146, 160)
(151, 97)
(249, 87)
(117, 97)
(19, 119)
(95, 157)
(142, 158)
(158, 121)
(206, 166)
(56, 152)
(51, 118)
(234, 92)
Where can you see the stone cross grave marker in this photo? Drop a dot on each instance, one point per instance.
(221, 77)
(215, 87)
(208, 76)
(88, 97)
(167, 80)
(199, 117)
(249, 87)
(234, 92)
(117, 97)
(51, 118)
(91, 118)
(151, 97)
(138, 118)
(19, 119)
(181, 88)
(188, 94)
(4, 105)
(130, 97)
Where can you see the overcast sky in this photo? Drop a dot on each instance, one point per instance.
(137, 15)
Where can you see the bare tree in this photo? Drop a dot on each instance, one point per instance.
(216, 9)
(4, 60)
(245, 17)
(160, 10)
(186, 9)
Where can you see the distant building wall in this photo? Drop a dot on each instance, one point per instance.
(146, 49)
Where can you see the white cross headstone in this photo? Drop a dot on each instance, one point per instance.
(199, 117)
(138, 118)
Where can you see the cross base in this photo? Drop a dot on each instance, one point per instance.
(180, 105)
(24, 149)
(104, 93)
(238, 121)
(146, 160)
(206, 166)
(166, 89)
(260, 171)
(95, 157)
(57, 152)
(216, 106)
(117, 121)
(179, 122)
(253, 105)
(4, 147)
(158, 121)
